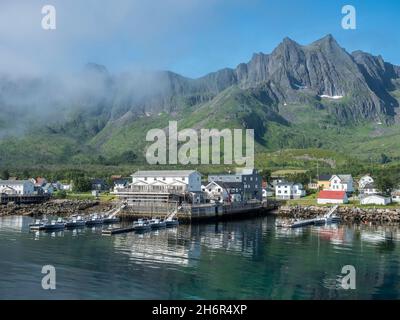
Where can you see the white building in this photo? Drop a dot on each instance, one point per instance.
(342, 182)
(369, 189)
(224, 191)
(289, 190)
(396, 196)
(376, 200)
(166, 181)
(332, 197)
(17, 187)
(365, 180)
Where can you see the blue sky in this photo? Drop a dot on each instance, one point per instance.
(191, 37)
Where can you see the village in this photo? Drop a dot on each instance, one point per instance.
(188, 192)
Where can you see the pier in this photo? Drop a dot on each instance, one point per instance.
(112, 231)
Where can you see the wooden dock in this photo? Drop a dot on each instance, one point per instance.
(111, 231)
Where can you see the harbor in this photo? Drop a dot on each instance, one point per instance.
(214, 260)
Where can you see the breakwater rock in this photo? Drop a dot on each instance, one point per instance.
(57, 207)
(351, 214)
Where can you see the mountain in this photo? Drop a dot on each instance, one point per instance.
(313, 96)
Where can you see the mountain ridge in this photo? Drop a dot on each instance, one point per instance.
(274, 93)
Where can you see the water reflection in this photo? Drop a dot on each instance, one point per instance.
(240, 259)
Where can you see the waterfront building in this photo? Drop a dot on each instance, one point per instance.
(368, 189)
(120, 184)
(324, 182)
(342, 182)
(251, 179)
(332, 197)
(289, 190)
(376, 200)
(224, 191)
(16, 187)
(396, 196)
(99, 185)
(48, 188)
(364, 181)
(162, 186)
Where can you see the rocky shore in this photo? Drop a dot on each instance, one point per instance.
(57, 207)
(350, 214)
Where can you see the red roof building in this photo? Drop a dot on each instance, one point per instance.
(328, 196)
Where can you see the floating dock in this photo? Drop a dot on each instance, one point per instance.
(111, 231)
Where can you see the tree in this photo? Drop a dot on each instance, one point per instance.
(81, 184)
(266, 174)
(384, 159)
(5, 175)
(385, 183)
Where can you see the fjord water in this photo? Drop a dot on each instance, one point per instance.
(246, 259)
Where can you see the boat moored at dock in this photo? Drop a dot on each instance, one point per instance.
(141, 225)
(110, 220)
(53, 225)
(75, 222)
(94, 220)
(156, 223)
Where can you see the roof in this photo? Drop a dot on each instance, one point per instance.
(237, 185)
(345, 178)
(163, 173)
(328, 194)
(14, 182)
(369, 186)
(325, 177)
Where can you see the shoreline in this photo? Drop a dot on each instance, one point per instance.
(68, 207)
(346, 213)
(56, 207)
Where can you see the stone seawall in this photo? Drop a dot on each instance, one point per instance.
(351, 214)
(62, 208)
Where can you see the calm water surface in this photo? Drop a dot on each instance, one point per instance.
(248, 259)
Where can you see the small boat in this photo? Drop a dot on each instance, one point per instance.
(53, 225)
(94, 220)
(141, 225)
(156, 223)
(38, 223)
(75, 222)
(111, 220)
(171, 222)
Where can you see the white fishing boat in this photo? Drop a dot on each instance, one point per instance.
(58, 224)
(94, 220)
(141, 225)
(37, 223)
(156, 223)
(109, 219)
(75, 222)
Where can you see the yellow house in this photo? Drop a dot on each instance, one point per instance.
(323, 182)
